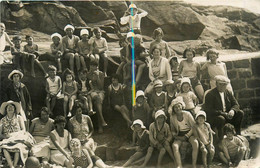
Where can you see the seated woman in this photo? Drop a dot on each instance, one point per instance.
(181, 123)
(11, 123)
(40, 129)
(59, 144)
(81, 127)
(159, 68)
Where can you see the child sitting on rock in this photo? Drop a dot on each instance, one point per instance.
(53, 88)
(174, 67)
(116, 98)
(142, 140)
(84, 49)
(83, 93)
(233, 150)
(204, 134)
(70, 46)
(18, 54)
(122, 43)
(189, 97)
(70, 90)
(99, 48)
(160, 137)
(32, 50)
(57, 49)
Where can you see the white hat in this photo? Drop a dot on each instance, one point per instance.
(185, 80)
(56, 35)
(16, 104)
(130, 34)
(222, 79)
(69, 26)
(200, 113)
(169, 82)
(139, 93)
(139, 122)
(132, 6)
(157, 83)
(177, 100)
(15, 72)
(158, 113)
(84, 31)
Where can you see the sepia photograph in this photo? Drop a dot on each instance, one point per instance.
(139, 84)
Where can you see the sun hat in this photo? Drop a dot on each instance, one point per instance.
(4, 104)
(139, 122)
(69, 26)
(132, 6)
(169, 82)
(222, 79)
(10, 76)
(158, 83)
(200, 113)
(84, 31)
(130, 34)
(177, 100)
(139, 93)
(56, 35)
(158, 113)
(185, 80)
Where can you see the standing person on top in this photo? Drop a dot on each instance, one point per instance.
(133, 16)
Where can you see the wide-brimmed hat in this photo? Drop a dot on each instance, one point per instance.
(84, 31)
(56, 35)
(157, 83)
(139, 93)
(222, 79)
(185, 80)
(169, 82)
(69, 26)
(16, 104)
(130, 34)
(10, 76)
(177, 100)
(158, 113)
(139, 122)
(200, 113)
(132, 6)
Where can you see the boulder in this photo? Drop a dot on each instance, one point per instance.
(178, 23)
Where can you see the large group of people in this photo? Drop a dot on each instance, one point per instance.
(163, 118)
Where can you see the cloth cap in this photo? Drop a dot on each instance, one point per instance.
(84, 31)
(132, 6)
(200, 113)
(185, 80)
(130, 34)
(69, 26)
(56, 35)
(15, 72)
(178, 100)
(158, 83)
(222, 79)
(16, 104)
(139, 122)
(169, 82)
(158, 113)
(139, 93)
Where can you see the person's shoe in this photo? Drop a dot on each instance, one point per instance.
(69, 114)
(91, 112)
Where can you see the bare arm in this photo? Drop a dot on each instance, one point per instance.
(57, 145)
(180, 68)
(21, 123)
(91, 128)
(8, 40)
(90, 165)
(31, 129)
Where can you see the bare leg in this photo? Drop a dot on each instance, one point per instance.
(53, 102)
(101, 121)
(41, 67)
(124, 112)
(16, 158)
(211, 150)
(77, 60)
(65, 102)
(175, 147)
(139, 72)
(48, 99)
(104, 56)
(204, 157)
(59, 65)
(200, 92)
(195, 147)
(169, 150)
(133, 158)
(223, 158)
(82, 61)
(148, 156)
(8, 158)
(32, 59)
(71, 60)
(160, 157)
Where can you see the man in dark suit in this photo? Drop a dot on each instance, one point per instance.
(222, 107)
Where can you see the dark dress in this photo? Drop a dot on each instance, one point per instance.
(116, 96)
